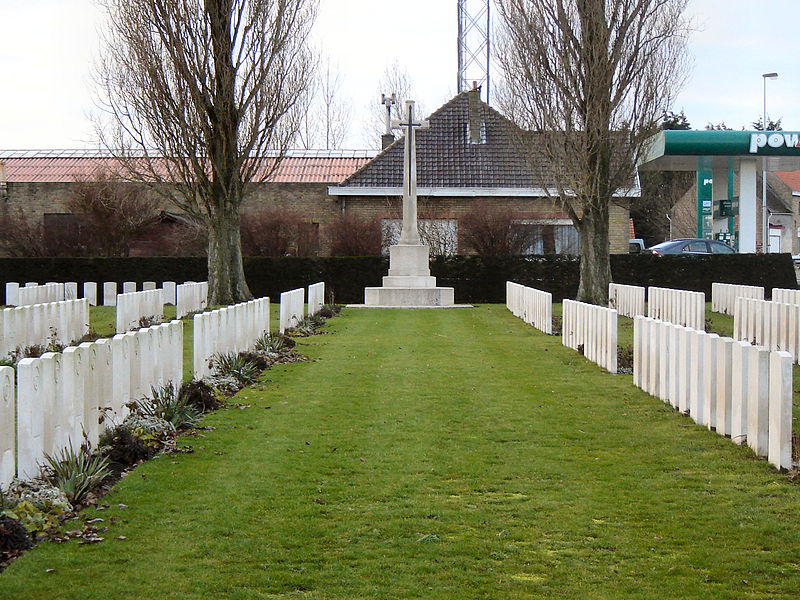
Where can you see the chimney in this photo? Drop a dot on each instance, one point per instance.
(386, 140)
(475, 121)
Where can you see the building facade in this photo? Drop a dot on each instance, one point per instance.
(471, 157)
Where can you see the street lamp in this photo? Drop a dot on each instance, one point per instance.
(764, 215)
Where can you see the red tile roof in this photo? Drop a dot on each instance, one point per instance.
(790, 178)
(303, 166)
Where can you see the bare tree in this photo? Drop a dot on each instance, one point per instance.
(591, 78)
(21, 237)
(111, 212)
(493, 231)
(204, 97)
(395, 80)
(326, 120)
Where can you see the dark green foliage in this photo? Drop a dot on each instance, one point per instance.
(260, 361)
(697, 273)
(236, 366)
(199, 395)
(164, 404)
(625, 357)
(76, 473)
(476, 279)
(275, 343)
(13, 536)
(125, 447)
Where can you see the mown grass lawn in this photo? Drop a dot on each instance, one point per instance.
(438, 454)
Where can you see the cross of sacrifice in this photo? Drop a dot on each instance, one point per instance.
(408, 125)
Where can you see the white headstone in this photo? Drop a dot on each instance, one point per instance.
(110, 293)
(30, 417)
(90, 292)
(12, 293)
(758, 400)
(780, 410)
(7, 450)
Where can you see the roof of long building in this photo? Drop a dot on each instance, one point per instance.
(298, 166)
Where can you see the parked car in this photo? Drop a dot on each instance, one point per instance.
(636, 245)
(691, 246)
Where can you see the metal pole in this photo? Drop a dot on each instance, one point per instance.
(764, 213)
(764, 217)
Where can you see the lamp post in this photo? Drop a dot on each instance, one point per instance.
(764, 214)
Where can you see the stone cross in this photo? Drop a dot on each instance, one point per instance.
(408, 125)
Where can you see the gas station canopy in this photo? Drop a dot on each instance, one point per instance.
(715, 156)
(679, 150)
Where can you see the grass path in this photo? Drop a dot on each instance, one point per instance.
(438, 454)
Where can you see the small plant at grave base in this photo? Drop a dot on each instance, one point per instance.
(92, 336)
(709, 327)
(275, 343)
(165, 404)
(38, 522)
(14, 539)
(795, 470)
(200, 395)
(580, 350)
(236, 366)
(308, 326)
(76, 473)
(556, 325)
(259, 359)
(148, 321)
(625, 359)
(126, 446)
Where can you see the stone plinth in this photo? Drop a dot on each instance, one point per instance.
(409, 282)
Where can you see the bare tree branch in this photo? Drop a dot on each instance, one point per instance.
(203, 97)
(591, 78)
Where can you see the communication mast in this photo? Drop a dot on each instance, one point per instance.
(473, 44)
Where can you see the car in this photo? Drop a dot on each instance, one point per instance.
(691, 246)
(636, 245)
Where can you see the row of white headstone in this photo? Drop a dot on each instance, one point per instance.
(292, 309)
(128, 287)
(680, 307)
(62, 397)
(190, 297)
(592, 327)
(628, 300)
(773, 325)
(724, 295)
(732, 387)
(40, 324)
(135, 306)
(785, 296)
(32, 292)
(232, 329)
(533, 306)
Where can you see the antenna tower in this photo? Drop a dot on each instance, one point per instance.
(473, 44)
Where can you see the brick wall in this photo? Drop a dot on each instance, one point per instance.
(312, 204)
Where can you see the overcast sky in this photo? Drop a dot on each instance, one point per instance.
(46, 48)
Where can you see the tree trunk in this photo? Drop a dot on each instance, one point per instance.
(226, 282)
(595, 270)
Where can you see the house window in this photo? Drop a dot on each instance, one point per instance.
(554, 237)
(441, 235)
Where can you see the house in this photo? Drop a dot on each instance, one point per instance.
(471, 156)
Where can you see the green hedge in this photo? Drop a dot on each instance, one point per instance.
(476, 279)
